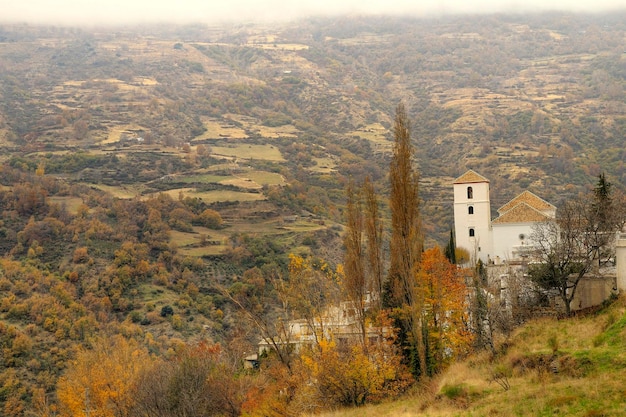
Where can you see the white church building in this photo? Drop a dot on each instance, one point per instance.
(504, 238)
(502, 242)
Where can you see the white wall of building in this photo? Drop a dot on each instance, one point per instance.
(620, 260)
(480, 245)
(507, 241)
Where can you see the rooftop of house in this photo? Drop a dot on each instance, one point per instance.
(521, 213)
(530, 199)
(470, 177)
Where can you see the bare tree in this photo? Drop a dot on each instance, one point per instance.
(255, 297)
(374, 235)
(565, 250)
(581, 237)
(200, 381)
(355, 282)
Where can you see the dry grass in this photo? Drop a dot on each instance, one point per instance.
(280, 46)
(202, 251)
(218, 128)
(364, 39)
(122, 191)
(182, 239)
(377, 134)
(324, 165)
(249, 151)
(201, 178)
(116, 133)
(266, 178)
(285, 131)
(242, 182)
(207, 196)
(254, 126)
(190, 243)
(590, 357)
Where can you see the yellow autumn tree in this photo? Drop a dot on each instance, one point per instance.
(352, 375)
(98, 382)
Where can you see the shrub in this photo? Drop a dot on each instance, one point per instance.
(454, 391)
(167, 311)
(500, 375)
(135, 316)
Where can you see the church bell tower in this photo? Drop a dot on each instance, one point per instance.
(472, 216)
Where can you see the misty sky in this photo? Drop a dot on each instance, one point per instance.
(184, 11)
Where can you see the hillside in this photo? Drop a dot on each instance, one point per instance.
(532, 101)
(571, 367)
(145, 171)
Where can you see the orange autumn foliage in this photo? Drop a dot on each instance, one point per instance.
(99, 382)
(445, 301)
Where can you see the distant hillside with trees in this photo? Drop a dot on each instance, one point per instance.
(166, 191)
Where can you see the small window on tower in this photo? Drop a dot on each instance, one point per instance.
(470, 193)
(470, 210)
(471, 231)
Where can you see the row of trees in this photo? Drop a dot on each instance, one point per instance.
(425, 293)
(411, 309)
(420, 291)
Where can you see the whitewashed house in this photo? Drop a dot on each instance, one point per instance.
(507, 236)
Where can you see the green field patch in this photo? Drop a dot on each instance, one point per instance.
(117, 133)
(200, 236)
(285, 131)
(249, 151)
(71, 203)
(266, 178)
(242, 182)
(202, 251)
(249, 180)
(377, 134)
(119, 191)
(273, 46)
(254, 125)
(324, 165)
(182, 239)
(211, 196)
(157, 295)
(374, 132)
(226, 195)
(303, 226)
(216, 167)
(202, 178)
(201, 242)
(263, 227)
(365, 39)
(218, 128)
(273, 42)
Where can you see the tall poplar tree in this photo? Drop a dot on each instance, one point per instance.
(405, 294)
(354, 280)
(374, 249)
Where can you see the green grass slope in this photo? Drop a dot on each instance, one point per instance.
(573, 367)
